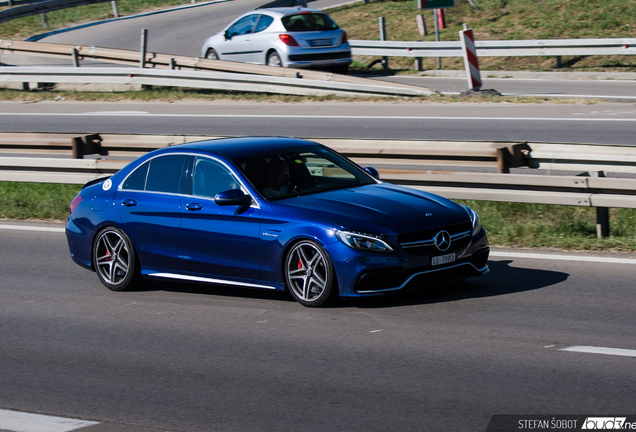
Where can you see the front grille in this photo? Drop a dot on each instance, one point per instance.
(320, 56)
(423, 242)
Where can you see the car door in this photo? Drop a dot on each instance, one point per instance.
(261, 40)
(219, 240)
(237, 43)
(148, 203)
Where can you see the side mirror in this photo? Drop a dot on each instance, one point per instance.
(232, 197)
(227, 35)
(374, 172)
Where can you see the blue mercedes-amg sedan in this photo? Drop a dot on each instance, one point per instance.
(272, 213)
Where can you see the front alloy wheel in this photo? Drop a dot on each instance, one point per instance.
(309, 274)
(115, 261)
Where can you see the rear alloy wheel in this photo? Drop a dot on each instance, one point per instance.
(273, 59)
(309, 274)
(115, 261)
(211, 54)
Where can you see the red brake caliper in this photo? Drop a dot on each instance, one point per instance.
(300, 263)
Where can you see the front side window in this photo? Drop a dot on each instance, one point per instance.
(161, 174)
(243, 26)
(211, 177)
(301, 171)
(308, 22)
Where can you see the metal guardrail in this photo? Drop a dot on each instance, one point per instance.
(157, 61)
(200, 79)
(541, 189)
(509, 48)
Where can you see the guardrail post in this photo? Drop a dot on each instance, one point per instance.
(114, 6)
(439, 59)
(421, 24)
(602, 214)
(142, 51)
(75, 58)
(385, 60)
(558, 62)
(503, 160)
(45, 22)
(90, 144)
(77, 145)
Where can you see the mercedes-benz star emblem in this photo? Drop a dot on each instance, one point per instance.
(442, 240)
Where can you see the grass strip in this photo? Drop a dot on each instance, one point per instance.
(498, 20)
(171, 94)
(507, 224)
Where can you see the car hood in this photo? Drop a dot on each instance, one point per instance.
(379, 208)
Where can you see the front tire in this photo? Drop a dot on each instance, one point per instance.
(211, 54)
(115, 261)
(273, 59)
(309, 274)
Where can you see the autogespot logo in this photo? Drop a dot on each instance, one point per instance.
(607, 423)
(442, 240)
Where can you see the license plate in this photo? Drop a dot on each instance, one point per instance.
(320, 42)
(443, 259)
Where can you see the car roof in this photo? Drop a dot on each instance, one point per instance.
(282, 11)
(244, 146)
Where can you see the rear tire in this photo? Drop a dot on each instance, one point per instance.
(115, 260)
(273, 59)
(309, 274)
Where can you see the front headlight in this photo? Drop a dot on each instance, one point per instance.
(474, 219)
(362, 241)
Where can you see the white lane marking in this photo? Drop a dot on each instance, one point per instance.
(15, 421)
(601, 350)
(556, 257)
(318, 117)
(117, 112)
(32, 228)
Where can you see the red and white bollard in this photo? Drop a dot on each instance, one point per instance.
(470, 58)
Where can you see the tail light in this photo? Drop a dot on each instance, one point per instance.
(76, 201)
(288, 40)
(344, 37)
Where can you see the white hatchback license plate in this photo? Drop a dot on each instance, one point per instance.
(444, 259)
(321, 42)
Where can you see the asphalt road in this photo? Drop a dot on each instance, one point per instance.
(579, 123)
(182, 32)
(193, 358)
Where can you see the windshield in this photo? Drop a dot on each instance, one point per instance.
(307, 21)
(301, 171)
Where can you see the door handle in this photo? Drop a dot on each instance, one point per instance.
(194, 206)
(128, 202)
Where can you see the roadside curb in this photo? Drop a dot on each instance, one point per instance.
(627, 76)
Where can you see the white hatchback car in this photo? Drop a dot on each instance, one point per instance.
(288, 36)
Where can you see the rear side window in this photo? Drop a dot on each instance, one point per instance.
(137, 180)
(263, 23)
(308, 22)
(161, 174)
